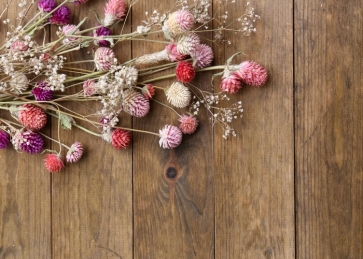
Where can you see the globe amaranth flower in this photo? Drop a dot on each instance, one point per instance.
(252, 73)
(202, 56)
(61, 16)
(104, 58)
(135, 104)
(170, 137)
(231, 84)
(4, 139)
(19, 46)
(42, 91)
(89, 88)
(187, 43)
(32, 117)
(178, 95)
(188, 124)
(68, 30)
(115, 10)
(148, 91)
(174, 55)
(18, 82)
(121, 139)
(74, 153)
(103, 31)
(47, 5)
(184, 72)
(28, 141)
(53, 163)
(178, 23)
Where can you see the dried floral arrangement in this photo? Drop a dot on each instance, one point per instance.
(36, 76)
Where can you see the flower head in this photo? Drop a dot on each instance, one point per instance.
(121, 139)
(104, 58)
(28, 141)
(135, 104)
(178, 95)
(252, 73)
(42, 91)
(184, 72)
(18, 82)
(202, 55)
(32, 117)
(75, 152)
(148, 91)
(4, 139)
(68, 30)
(170, 137)
(188, 124)
(103, 31)
(53, 163)
(19, 46)
(89, 88)
(46, 5)
(178, 23)
(231, 84)
(188, 43)
(115, 10)
(173, 53)
(61, 16)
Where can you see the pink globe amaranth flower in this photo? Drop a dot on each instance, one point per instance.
(32, 117)
(19, 46)
(170, 137)
(252, 73)
(4, 139)
(89, 88)
(74, 153)
(184, 72)
(115, 10)
(28, 141)
(46, 5)
(173, 53)
(69, 29)
(188, 43)
(104, 58)
(121, 139)
(188, 124)
(42, 91)
(178, 23)
(53, 163)
(103, 31)
(61, 16)
(231, 84)
(135, 104)
(148, 91)
(203, 56)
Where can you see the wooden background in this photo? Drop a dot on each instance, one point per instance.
(289, 186)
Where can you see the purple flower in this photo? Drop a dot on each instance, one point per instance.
(61, 16)
(42, 92)
(46, 5)
(4, 139)
(103, 31)
(28, 141)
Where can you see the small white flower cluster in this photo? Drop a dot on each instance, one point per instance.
(248, 20)
(54, 79)
(153, 19)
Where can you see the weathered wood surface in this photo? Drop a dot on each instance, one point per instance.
(288, 186)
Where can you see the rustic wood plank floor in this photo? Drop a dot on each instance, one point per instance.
(290, 185)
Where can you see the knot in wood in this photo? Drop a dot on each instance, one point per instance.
(171, 173)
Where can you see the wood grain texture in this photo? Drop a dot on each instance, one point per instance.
(328, 114)
(173, 191)
(255, 170)
(92, 199)
(25, 219)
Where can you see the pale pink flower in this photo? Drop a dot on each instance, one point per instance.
(188, 43)
(202, 56)
(115, 10)
(178, 23)
(104, 58)
(19, 46)
(188, 124)
(135, 104)
(69, 29)
(74, 153)
(170, 137)
(89, 88)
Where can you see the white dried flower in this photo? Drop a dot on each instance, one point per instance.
(178, 95)
(188, 43)
(18, 82)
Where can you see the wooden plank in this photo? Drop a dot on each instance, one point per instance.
(25, 220)
(92, 199)
(255, 170)
(329, 181)
(173, 216)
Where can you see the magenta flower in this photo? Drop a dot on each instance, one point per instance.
(61, 16)
(103, 31)
(173, 53)
(42, 92)
(170, 137)
(28, 141)
(46, 5)
(4, 139)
